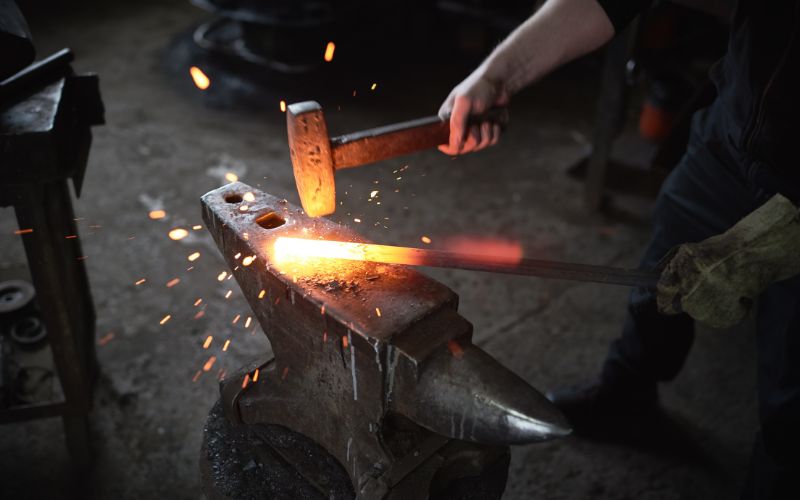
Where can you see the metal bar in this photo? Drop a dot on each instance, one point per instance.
(57, 63)
(300, 247)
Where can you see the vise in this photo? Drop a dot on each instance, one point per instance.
(372, 362)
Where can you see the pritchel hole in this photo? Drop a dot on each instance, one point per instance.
(233, 198)
(270, 220)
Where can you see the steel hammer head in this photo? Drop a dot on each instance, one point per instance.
(312, 158)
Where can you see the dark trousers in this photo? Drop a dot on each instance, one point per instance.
(712, 188)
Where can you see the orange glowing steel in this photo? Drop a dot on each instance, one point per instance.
(329, 50)
(200, 79)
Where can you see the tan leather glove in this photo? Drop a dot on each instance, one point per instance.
(717, 280)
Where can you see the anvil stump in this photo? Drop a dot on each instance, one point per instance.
(372, 362)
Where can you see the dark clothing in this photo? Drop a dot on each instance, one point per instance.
(742, 150)
(757, 82)
(711, 189)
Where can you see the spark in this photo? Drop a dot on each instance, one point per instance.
(197, 227)
(374, 86)
(71, 237)
(198, 302)
(261, 294)
(200, 79)
(197, 375)
(344, 342)
(178, 234)
(165, 319)
(285, 372)
(236, 319)
(373, 194)
(378, 311)
(283, 106)
(140, 281)
(173, 282)
(247, 322)
(199, 314)
(246, 381)
(228, 294)
(193, 257)
(322, 310)
(225, 346)
(244, 208)
(248, 260)
(249, 197)
(357, 220)
(426, 240)
(329, 50)
(231, 177)
(222, 275)
(455, 349)
(157, 214)
(237, 255)
(209, 363)
(23, 231)
(255, 376)
(105, 339)
(208, 341)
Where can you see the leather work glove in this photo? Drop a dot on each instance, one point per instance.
(716, 281)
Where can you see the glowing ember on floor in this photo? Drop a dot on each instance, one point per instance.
(200, 79)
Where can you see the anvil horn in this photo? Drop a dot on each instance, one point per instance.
(468, 395)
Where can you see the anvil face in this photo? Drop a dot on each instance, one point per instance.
(357, 344)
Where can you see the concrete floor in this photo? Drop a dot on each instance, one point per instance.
(162, 149)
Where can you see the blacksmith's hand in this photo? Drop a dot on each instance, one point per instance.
(474, 96)
(716, 281)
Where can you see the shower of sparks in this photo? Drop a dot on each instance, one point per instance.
(426, 240)
(140, 281)
(221, 276)
(200, 79)
(157, 214)
(208, 341)
(193, 257)
(209, 363)
(173, 282)
(178, 234)
(329, 50)
(225, 346)
(165, 319)
(231, 177)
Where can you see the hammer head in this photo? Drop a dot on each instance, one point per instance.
(312, 159)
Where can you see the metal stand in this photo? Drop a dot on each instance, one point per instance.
(44, 142)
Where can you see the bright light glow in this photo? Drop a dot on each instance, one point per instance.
(283, 106)
(193, 257)
(329, 49)
(178, 234)
(231, 177)
(200, 79)
(157, 214)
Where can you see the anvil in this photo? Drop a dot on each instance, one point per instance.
(359, 347)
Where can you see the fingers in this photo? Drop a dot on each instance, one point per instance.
(495, 134)
(458, 122)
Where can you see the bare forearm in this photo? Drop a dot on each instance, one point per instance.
(559, 32)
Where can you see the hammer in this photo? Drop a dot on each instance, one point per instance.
(316, 156)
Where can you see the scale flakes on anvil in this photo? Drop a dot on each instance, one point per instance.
(358, 344)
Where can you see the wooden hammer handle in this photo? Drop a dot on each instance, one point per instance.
(381, 143)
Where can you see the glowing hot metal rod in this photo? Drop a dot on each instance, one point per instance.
(294, 249)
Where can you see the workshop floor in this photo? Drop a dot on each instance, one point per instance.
(162, 149)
